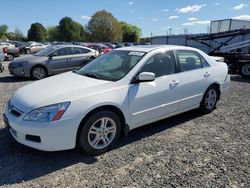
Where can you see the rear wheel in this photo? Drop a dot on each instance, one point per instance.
(245, 70)
(210, 98)
(99, 133)
(10, 57)
(38, 73)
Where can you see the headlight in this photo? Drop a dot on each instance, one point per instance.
(47, 113)
(21, 64)
(15, 64)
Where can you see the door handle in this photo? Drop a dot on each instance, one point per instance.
(207, 74)
(174, 83)
(68, 59)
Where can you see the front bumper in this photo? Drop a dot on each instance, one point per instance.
(45, 136)
(18, 71)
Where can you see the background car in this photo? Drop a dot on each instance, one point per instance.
(7, 44)
(3, 51)
(12, 53)
(35, 47)
(102, 49)
(52, 60)
(12, 50)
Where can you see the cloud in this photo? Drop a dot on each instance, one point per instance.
(189, 8)
(199, 22)
(193, 19)
(242, 17)
(130, 3)
(131, 11)
(173, 17)
(238, 7)
(165, 10)
(155, 19)
(86, 17)
(216, 4)
(165, 28)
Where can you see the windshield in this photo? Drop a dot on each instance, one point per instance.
(112, 66)
(46, 51)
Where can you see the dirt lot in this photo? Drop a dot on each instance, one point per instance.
(188, 150)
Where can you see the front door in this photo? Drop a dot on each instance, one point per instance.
(150, 101)
(61, 61)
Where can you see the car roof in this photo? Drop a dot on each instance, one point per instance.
(148, 48)
(70, 45)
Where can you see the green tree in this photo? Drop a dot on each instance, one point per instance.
(69, 30)
(52, 33)
(37, 32)
(3, 31)
(130, 33)
(104, 27)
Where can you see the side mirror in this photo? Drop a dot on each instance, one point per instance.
(146, 77)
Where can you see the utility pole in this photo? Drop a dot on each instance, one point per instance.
(151, 37)
(170, 30)
(185, 31)
(166, 36)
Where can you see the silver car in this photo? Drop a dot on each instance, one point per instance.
(50, 61)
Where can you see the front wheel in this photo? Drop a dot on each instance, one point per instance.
(245, 70)
(210, 98)
(38, 73)
(99, 133)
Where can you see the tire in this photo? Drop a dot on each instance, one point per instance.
(245, 70)
(38, 73)
(210, 99)
(1, 68)
(99, 133)
(10, 57)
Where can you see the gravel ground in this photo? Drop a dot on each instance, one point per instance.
(188, 150)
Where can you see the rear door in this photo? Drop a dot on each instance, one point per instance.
(195, 77)
(80, 56)
(61, 61)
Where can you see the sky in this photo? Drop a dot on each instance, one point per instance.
(154, 17)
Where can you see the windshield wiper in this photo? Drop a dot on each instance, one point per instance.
(91, 75)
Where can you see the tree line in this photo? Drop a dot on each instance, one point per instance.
(102, 27)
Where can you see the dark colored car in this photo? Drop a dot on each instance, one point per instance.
(52, 60)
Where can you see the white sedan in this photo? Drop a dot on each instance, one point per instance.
(117, 92)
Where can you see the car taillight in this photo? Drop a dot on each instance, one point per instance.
(4, 50)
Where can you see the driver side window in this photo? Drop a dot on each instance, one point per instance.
(62, 52)
(160, 64)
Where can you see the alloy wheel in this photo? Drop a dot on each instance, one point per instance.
(101, 133)
(39, 73)
(211, 98)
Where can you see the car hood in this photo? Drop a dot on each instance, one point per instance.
(29, 59)
(60, 88)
